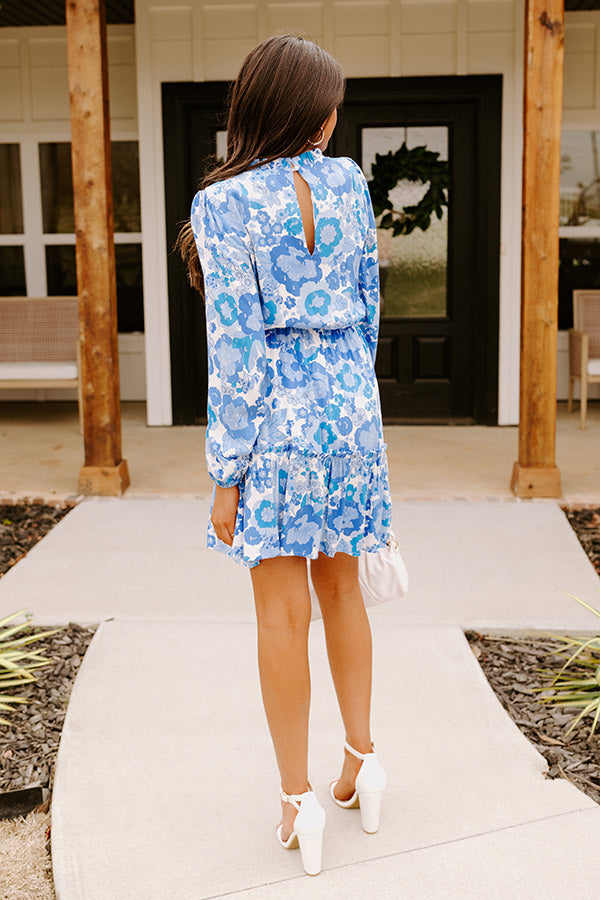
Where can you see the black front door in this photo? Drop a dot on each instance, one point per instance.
(192, 120)
(437, 359)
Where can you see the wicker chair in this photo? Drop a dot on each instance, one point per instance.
(584, 346)
(39, 344)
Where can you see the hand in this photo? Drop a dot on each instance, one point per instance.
(224, 512)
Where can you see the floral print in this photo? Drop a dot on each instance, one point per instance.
(294, 415)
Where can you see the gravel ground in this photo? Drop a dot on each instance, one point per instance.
(28, 748)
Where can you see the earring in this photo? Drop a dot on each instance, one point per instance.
(314, 143)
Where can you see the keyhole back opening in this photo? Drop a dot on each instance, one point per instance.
(305, 202)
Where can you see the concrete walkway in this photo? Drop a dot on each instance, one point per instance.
(484, 564)
(166, 783)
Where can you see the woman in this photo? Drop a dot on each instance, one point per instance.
(282, 242)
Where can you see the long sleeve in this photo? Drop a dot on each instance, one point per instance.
(235, 336)
(368, 272)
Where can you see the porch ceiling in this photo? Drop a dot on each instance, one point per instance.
(52, 12)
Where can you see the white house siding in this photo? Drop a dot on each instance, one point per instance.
(34, 106)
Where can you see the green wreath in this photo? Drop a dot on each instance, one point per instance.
(418, 164)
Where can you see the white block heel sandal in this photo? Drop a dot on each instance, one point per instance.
(368, 789)
(308, 829)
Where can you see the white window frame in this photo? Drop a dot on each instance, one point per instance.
(33, 239)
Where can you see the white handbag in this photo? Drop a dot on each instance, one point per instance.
(382, 576)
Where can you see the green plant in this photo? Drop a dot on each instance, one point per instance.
(14, 670)
(582, 687)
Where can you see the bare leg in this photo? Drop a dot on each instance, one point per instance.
(349, 648)
(283, 611)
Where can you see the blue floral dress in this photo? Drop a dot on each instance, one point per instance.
(294, 415)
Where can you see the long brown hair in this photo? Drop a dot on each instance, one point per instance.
(286, 88)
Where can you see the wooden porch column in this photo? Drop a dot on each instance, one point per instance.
(104, 471)
(535, 474)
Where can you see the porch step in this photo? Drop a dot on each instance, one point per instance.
(166, 783)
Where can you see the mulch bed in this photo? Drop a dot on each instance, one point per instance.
(586, 525)
(511, 665)
(22, 526)
(28, 748)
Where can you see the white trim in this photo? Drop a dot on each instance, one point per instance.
(128, 237)
(579, 231)
(581, 125)
(509, 326)
(35, 259)
(154, 253)
(121, 237)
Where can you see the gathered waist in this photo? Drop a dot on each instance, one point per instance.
(306, 329)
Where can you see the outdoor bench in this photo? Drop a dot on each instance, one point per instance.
(39, 344)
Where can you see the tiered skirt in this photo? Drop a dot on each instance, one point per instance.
(317, 478)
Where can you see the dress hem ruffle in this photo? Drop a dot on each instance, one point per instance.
(295, 502)
(224, 548)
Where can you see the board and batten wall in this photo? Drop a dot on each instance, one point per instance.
(34, 107)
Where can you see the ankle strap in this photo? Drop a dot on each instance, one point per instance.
(355, 752)
(292, 798)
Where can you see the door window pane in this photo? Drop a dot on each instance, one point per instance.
(57, 187)
(11, 202)
(413, 267)
(12, 272)
(580, 178)
(62, 280)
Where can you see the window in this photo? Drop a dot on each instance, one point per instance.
(579, 267)
(579, 220)
(11, 201)
(580, 179)
(62, 280)
(12, 257)
(12, 272)
(59, 227)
